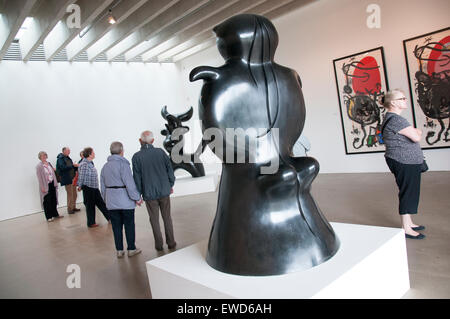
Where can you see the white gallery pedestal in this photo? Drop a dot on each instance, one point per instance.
(371, 263)
(188, 185)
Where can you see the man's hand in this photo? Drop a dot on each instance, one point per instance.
(79, 188)
(76, 165)
(171, 190)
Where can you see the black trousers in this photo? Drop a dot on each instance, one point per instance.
(121, 218)
(407, 177)
(92, 198)
(50, 202)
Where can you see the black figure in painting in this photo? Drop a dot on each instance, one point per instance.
(360, 99)
(267, 222)
(433, 88)
(174, 139)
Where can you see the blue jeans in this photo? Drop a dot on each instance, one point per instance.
(119, 219)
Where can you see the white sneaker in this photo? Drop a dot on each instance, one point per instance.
(131, 253)
(50, 219)
(120, 254)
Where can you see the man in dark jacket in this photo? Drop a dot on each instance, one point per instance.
(154, 178)
(66, 169)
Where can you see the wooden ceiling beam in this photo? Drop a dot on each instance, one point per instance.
(13, 14)
(173, 14)
(147, 41)
(100, 27)
(62, 34)
(45, 18)
(148, 12)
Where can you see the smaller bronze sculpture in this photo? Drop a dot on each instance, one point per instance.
(174, 143)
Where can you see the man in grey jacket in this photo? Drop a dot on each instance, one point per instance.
(121, 196)
(154, 177)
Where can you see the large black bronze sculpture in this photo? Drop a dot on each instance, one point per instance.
(174, 139)
(265, 224)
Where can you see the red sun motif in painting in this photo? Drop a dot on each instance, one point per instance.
(366, 77)
(437, 55)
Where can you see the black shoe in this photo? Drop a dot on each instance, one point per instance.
(76, 210)
(418, 228)
(172, 247)
(420, 236)
(159, 248)
(71, 212)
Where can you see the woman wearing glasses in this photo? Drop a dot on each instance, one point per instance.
(404, 158)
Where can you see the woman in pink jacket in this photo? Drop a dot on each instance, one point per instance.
(47, 187)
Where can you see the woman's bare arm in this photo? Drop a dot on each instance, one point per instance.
(412, 133)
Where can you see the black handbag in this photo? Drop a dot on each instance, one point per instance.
(424, 166)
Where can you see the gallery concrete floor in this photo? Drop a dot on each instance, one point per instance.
(34, 254)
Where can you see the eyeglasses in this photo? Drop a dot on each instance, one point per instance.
(401, 99)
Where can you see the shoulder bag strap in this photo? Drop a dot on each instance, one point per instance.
(384, 125)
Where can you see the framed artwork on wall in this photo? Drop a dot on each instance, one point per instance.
(360, 81)
(428, 65)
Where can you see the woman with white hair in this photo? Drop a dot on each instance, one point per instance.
(121, 196)
(404, 158)
(47, 187)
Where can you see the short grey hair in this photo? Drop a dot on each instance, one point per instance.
(391, 96)
(116, 148)
(41, 153)
(147, 137)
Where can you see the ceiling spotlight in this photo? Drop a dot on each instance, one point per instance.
(111, 19)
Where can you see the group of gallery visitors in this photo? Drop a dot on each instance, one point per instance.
(121, 189)
(117, 192)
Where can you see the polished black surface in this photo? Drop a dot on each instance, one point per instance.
(265, 224)
(174, 143)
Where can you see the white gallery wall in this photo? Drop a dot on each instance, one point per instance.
(310, 38)
(45, 106)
